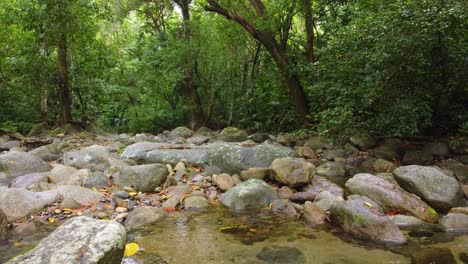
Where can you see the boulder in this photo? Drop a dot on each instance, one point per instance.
(331, 170)
(224, 181)
(439, 190)
(319, 184)
(93, 157)
(10, 144)
(436, 148)
(406, 222)
(29, 179)
(326, 200)
(232, 134)
(181, 132)
(80, 195)
(381, 165)
(363, 142)
(144, 178)
(144, 216)
(194, 202)
(455, 222)
(459, 210)
(64, 175)
(17, 163)
(251, 194)
(361, 221)
(302, 197)
(198, 140)
(259, 137)
(255, 173)
(79, 240)
(390, 196)
(48, 152)
(417, 157)
(283, 208)
(461, 172)
(19, 203)
(314, 214)
(292, 171)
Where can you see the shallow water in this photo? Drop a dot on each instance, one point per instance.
(217, 235)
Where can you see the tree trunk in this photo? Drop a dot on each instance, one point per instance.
(309, 27)
(65, 98)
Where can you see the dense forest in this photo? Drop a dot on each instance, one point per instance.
(334, 66)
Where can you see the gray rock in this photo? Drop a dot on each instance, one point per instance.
(182, 132)
(281, 255)
(94, 179)
(259, 137)
(144, 216)
(64, 175)
(20, 203)
(232, 134)
(41, 187)
(455, 222)
(224, 181)
(302, 197)
(439, 190)
(417, 157)
(363, 142)
(16, 163)
(93, 157)
(195, 202)
(283, 208)
(364, 222)
(406, 222)
(461, 172)
(204, 131)
(389, 196)
(81, 195)
(433, 255)
(319, 184)
(326, 200)
(3, 224)
(48, 152)
(316, 143)
(251, 194)
(331, 170)
(198, 140)
(255, 173)
(382, 165)
(292, 171)
(314, 214)
(459, 210)
(436, 148)
(79, 240)
(29, 179)
(144, 178)
(10, 144)
(388, 177)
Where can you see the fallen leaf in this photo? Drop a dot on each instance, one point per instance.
(51, 219)
(132, 193)
(368, 204)
(131, 249)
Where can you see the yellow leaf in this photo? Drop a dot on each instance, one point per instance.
(132, 193)
(253, 230)
(51, 219)
(368, 204)
(94, 189)
(166, 196)
(131, 249)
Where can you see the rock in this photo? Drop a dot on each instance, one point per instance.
(144, 216)
(64, 175)
(389, 196)
(69, 203)
(195, 202)
(389, 150)
(198, 140)
(180, 167)
(363, 142)
(255, 173)
(364, 222)
(93, 157)
(314, 214)
(20, 203)
(331, 170)
(83, 196)
(302, 197)
(459, 210)
(319, 184)
(417, 157)
(439, 190)
(232, 158)
(433, 256)
(10, 144)
(317, 143)
(406, 222)
(455, 222)
(144, 178)
(292, 172)
(79, 240)
(388, 177)
(283, 208)
(29, 179)
(259, 137)
(285, 192)
(251, 194)
(232, 134)
(94, 179)
(382, 165)
(49, 152)
(281, 255)
(224, 181)
(182, 132)
(16, 163)
(436, 148)
(3, 224)
(24, 229)
(204, 131)
(461, 172)
(326, 200)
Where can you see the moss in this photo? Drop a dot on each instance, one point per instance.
(432, 211)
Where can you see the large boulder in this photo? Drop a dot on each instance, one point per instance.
(48, 152)
(390, 196)
(357, 218)
(439, 190)
(18, 203)
(79, 195)
(331, 169)
(29, 179)
(17, 163)
(292, 171)
(93, 157)
(181, 132)
(417, 157)
(64, 175)
(363, 142)
(232, 134)
(319, 184)
(144, 215)
(251, 194)
(455, 222)
(79, 240)
(144, 178)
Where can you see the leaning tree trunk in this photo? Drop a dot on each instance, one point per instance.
(65, 98)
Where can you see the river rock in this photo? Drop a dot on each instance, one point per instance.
(144, 178)
(64, 175)
(259, 137)
(381, 165)
(406, 222)
(455, 222)
(331, 170)
(319, 184)
(389, 196)
(3, 224)
(17, 163)
(461, 172)
(19, 203)
(281, 255)
(79, 240)
(436, 148)
(363, 141)
(29, 179)
(255, 173)
(326, 200)
(364, 222)
(193, 202)
(144, 216)
(224, 181)
(292, 171)
(93, 157)
(82, 196)
(198, 140)
(439, 190)
(232, 134)
(314, 214)
(48, 152)
(251, 194)
(302, 197)
(283, 208)
(181, 132)
(417, 157)
(459, 210)
(433, 256)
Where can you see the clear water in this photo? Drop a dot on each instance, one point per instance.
(217, 235)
